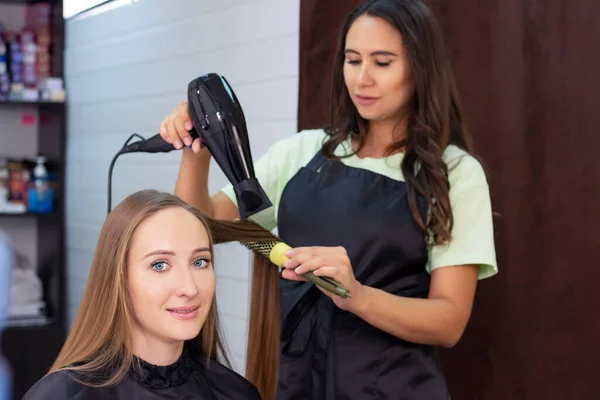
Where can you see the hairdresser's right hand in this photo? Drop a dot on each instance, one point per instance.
(175, 129)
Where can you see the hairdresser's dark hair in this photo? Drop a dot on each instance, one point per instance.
(436, 118)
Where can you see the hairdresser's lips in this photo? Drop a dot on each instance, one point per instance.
(365, 100)
(184, 313)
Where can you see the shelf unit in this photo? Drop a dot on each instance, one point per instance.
(31, 345)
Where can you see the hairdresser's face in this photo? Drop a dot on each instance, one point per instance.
(377, 71)
(171, 277)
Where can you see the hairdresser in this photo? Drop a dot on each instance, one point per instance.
(390, 201)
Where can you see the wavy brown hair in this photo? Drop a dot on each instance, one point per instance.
(436, 117)
(98, 347)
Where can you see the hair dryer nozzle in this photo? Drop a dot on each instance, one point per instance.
(251, 197)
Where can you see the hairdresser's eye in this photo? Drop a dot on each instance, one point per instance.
(353, 61)
(383, 64)
(201, 263)
(160, 266)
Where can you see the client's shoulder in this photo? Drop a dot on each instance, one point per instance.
(56, 385)
(228, 383)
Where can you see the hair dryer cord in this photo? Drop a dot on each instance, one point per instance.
(112, 164)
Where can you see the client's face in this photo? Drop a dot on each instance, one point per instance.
(171, 277)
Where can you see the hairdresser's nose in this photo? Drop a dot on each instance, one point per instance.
(365, 76)
(186, 285)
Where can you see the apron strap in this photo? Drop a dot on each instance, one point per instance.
(317, 161)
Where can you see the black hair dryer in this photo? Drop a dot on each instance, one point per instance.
(219, 121)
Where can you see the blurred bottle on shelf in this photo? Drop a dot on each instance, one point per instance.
(40, 197)
(4, 76)
(26, 60)
(18, 182)
(27, 186)
(4, 185)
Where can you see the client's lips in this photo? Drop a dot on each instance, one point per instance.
(184, 313)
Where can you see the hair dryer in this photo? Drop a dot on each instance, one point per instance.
(220, 123)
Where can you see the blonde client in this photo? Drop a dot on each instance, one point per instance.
(148, 324)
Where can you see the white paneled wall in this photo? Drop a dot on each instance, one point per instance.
(129, 67)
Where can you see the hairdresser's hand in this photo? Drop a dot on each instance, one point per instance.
(325, 261)
(175, 129)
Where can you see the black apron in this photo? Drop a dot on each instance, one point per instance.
(328, 353)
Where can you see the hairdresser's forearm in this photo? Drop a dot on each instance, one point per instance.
(435, 321)
(192, 180)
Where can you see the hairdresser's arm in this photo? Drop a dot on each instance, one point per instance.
(192, 187)
(192, 180)
(438, 320)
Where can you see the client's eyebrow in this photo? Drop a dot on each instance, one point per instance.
(201, 250)
(375, 53)
(171, 253)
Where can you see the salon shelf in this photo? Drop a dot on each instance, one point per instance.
(31, 103)
(24, 322)
(30, 345)
(28, 1)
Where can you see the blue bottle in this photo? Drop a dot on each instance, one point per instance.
(41, 194)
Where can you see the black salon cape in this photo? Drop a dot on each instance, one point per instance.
(188, 379)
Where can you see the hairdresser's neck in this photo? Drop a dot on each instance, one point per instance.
(155, 351)
(381, 135)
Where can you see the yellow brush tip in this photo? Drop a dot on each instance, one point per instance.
(277, 255)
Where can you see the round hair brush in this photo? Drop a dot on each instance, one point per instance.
(261, 241)
(275, 252)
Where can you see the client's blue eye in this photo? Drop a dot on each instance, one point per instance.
(201, 263)
(160, 266)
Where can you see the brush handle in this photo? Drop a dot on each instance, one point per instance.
(334, 283)
(328, 284)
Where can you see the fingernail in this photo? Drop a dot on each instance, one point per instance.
(298, 270)
(188, 126)
(287, 264)
(290, 253)
(187, 141)
(177, 144)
